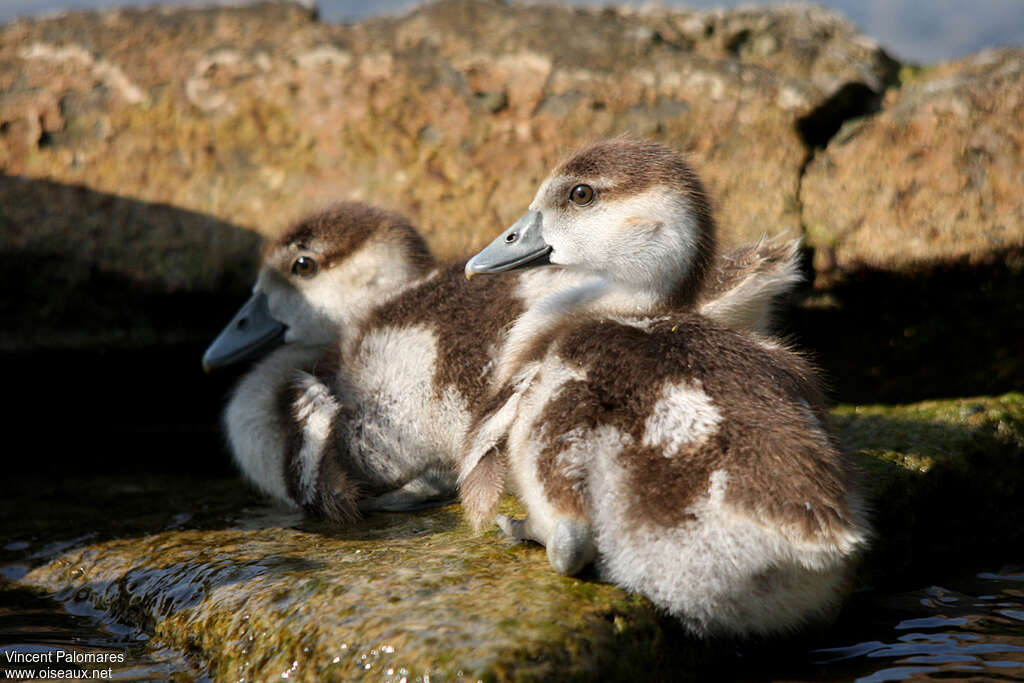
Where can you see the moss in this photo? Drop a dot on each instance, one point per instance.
(946, 479)
(420, 591)
(912, 73)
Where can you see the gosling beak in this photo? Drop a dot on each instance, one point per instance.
(521, 246)
(250, 334)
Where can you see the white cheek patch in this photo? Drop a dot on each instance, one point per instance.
(658, 238)
(683, 416)
(645, 225)
(370, 276)
(648, 240)
(334, 302)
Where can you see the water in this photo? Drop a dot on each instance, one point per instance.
(971, 631)
(971, 628)
(909, 29)
(33, 623)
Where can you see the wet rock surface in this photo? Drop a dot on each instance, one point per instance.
(255, 592)
(248, 591)
(144, 152)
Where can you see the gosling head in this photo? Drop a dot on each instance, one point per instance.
(630, 211)
(320, 278)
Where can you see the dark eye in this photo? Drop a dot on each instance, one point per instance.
(581, 195)
(304, 266)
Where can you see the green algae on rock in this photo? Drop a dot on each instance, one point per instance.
(400, 596)
(947, 478)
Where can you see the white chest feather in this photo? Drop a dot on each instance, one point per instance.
(403, 416)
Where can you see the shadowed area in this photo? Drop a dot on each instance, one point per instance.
(108, 304)
(944, 484)
(948, 329)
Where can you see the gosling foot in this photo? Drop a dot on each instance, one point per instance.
(570, 547)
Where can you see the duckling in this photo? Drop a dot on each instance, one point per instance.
(295, 425)
(372, 356)
(692, 462)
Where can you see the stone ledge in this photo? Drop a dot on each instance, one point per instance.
(263, 594)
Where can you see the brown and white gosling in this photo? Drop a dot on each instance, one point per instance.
(695, 463)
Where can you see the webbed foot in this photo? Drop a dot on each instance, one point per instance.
(518, 529)
(570, 547)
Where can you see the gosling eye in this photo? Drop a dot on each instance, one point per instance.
(304, 266)
(581, 195)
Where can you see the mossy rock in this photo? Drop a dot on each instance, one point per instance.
(947, 481)
(256, 593)
(397, 596)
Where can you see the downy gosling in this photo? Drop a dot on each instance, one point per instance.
(692, 462)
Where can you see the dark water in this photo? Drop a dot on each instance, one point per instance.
(911, 30)
(31, 622)
(970, 628)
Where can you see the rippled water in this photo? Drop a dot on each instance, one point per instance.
(33, 623)
(913, 30)
(972, 631)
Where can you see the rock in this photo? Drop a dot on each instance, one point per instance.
(935, 177)
(916, 220)
(255, 114)
(236, 119)
(259, 594)
(411, 596)
(805, 42)
(945, 477)
(670, 75)
(141, 170)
